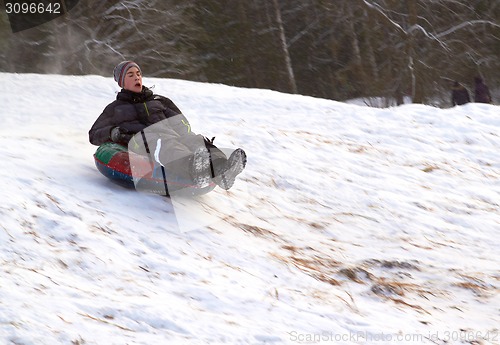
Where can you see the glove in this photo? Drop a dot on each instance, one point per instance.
(118, 135)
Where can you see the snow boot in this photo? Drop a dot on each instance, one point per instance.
(235, 164)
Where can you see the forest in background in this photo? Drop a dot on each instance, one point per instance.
(334, 49)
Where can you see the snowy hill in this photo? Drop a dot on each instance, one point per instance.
(350, 225)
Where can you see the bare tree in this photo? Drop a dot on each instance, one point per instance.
(94, 36)
(428, 30)
(284, 49)
(337, 49)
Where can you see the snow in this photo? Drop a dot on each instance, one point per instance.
(350, 224)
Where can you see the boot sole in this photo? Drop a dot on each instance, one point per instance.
(236, 163)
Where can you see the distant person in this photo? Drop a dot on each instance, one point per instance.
(482, 93)
(183, 153)
(459, 94)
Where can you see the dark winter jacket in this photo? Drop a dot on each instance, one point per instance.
(482, 93)
(459, 95)
(159, 120)
(132, 112)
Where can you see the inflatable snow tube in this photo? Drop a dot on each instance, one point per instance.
(113, 161)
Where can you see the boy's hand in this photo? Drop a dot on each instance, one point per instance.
(118, 135)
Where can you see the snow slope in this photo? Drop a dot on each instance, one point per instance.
(350, 225)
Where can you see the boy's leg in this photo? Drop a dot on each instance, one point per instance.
(218, 159)
(201, 171)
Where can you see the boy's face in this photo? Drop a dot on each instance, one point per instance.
(133, 80)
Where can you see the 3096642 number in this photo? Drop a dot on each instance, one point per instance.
(33, 8)
(27, 14)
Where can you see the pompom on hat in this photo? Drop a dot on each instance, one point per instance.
(121, 70)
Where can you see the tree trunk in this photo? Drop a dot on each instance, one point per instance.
(249, 61)
(284, 49)
(358, 67)
(369, 40)
(416, 88)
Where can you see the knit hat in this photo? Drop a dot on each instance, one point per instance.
(121, 70)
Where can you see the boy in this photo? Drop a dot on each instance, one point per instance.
(184, 154)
